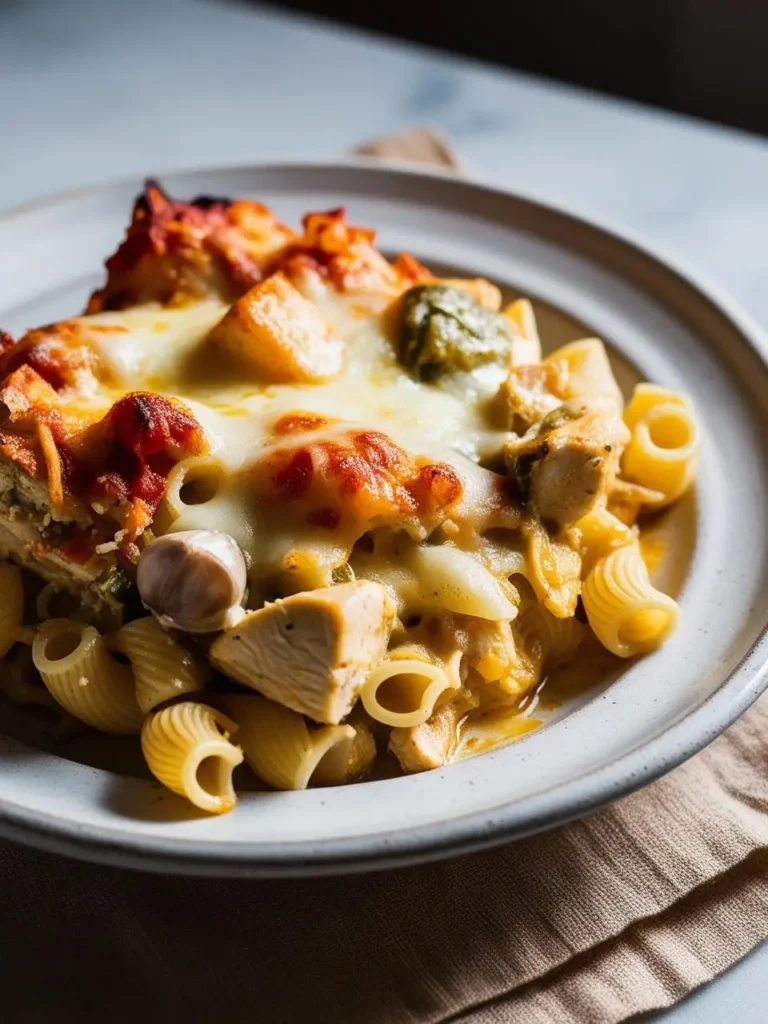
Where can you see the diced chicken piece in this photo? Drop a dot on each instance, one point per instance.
(312, 651)
(531, 391)
(278, 336)
(432, 743)
(565, 467)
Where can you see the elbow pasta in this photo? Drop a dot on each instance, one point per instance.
(663, 449)
(626, 613)
(162, 668)
(84, 678)
(187, 748)
(286, 754)
(554, 641)
(369, 512)
(407, 686)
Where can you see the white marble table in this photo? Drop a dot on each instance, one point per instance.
(93, 89)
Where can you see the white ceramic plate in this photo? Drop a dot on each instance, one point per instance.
(662, 709)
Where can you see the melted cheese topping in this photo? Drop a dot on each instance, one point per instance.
(164, 351)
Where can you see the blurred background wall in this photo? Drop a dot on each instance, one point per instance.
(701, 57)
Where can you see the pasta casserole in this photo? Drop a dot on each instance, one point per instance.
(275, 499)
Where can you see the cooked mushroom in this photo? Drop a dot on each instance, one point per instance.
(193, 580)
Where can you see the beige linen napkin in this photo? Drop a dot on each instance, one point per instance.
(622, 912)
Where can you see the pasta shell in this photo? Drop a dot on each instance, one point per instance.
(187, 748)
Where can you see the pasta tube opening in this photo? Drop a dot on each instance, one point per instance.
(208, 776)
(192, 482)
(661, 454)
(187, 748)
(84, 678)
(627, 614)
(200, 483)
(668, 428)
(59, 646)
(405, 688)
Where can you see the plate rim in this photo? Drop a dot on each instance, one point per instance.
(477, 830)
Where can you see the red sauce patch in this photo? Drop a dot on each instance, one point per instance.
(341, 253)
(437, 485)
(131, 451)
(175, 250)
(79, 549)
(362, 474)
(57, 353)
(6, 341)
(326, 518)
(293, 479)
(43, 361)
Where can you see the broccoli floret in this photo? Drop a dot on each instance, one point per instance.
(444, 330)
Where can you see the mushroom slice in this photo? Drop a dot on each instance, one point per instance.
(193, 580)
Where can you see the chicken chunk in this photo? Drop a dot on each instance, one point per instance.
(564, 466)
(432, 743)
(276, 335)
(312, 651)
(530, 392)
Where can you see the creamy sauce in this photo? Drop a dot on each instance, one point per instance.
(164, 351)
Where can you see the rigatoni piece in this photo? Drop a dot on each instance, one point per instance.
(187, 748)
(311, 651)
(588, 372)
(277, 336)
(405, 688)
(662, 454)
(626, 612)
(283, 751)
(553, 570)
(84, 678)
(162, 668)
(432, 743)
(597, 534)
(558, 639)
